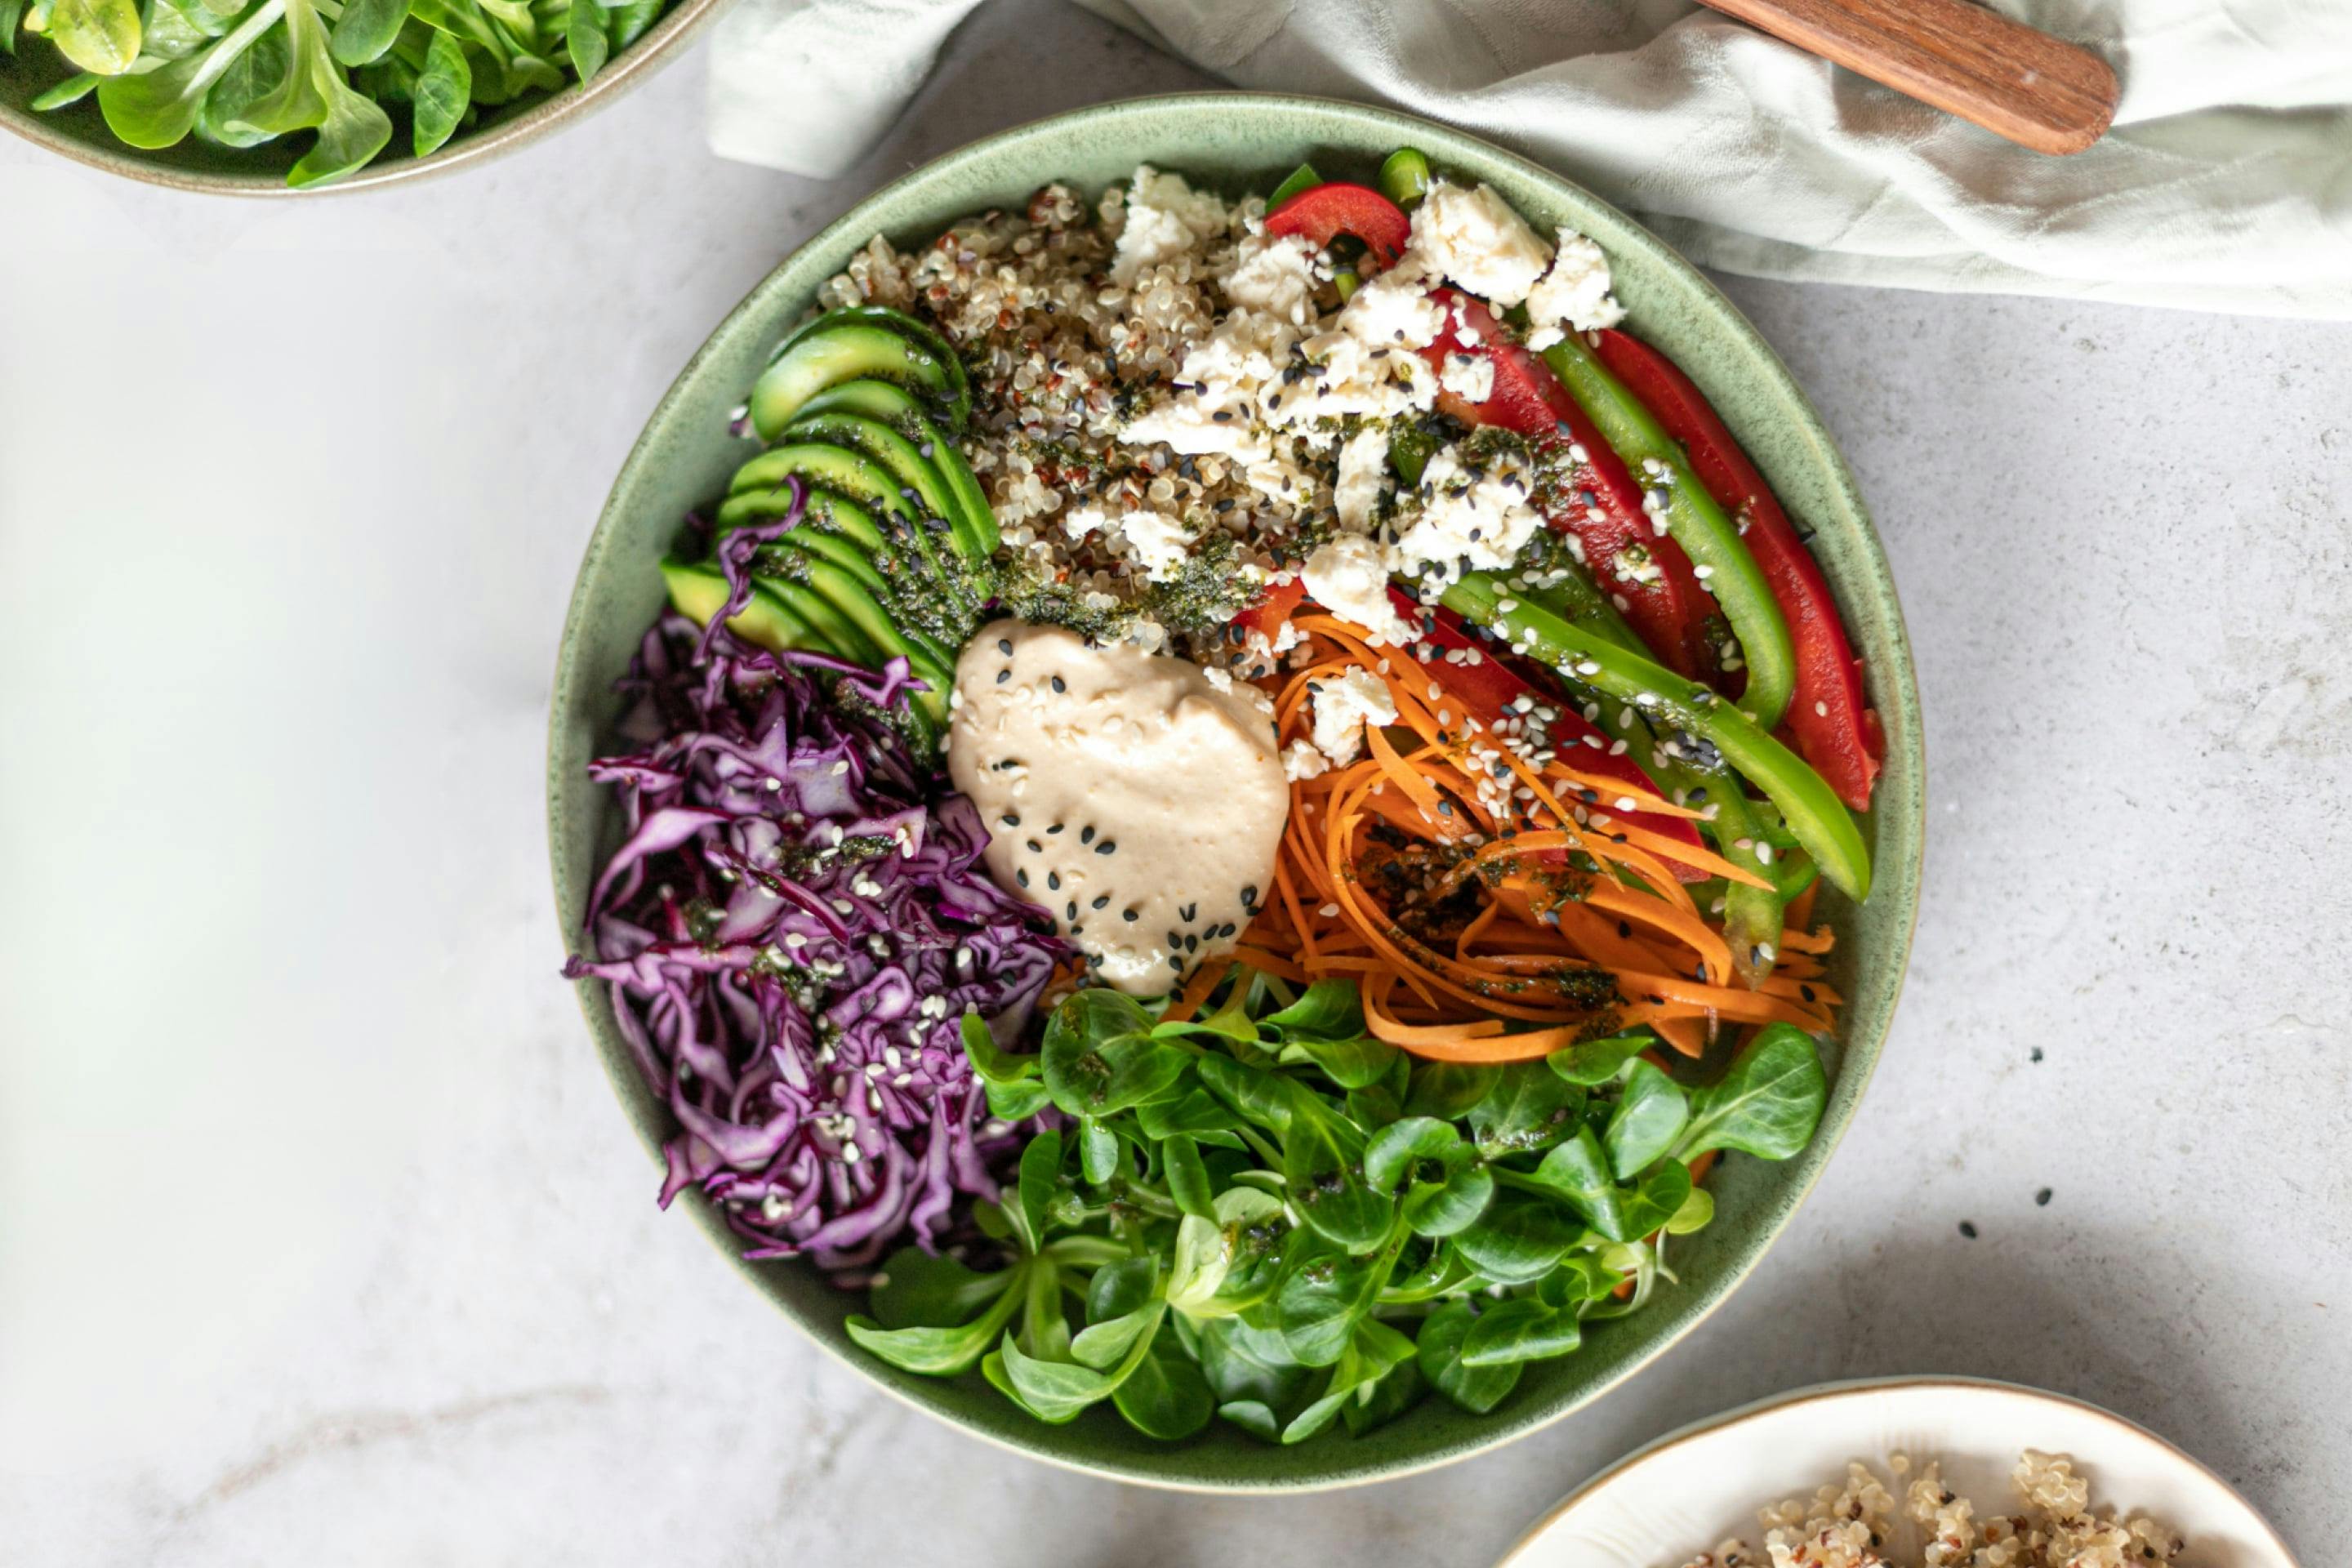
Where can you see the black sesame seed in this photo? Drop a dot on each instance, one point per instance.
(1249, 895)
(1073, 912)
(2042, 1198)
(1004, 645)
(1060, 685)
(1108, 846)
(1175, 938)
(1101, 899)
(1968, 1229)
(1035, 847)
(1056, 829)
(1054, 880)
(2036, 1055)
(1003, 676)
(1129, 915)
(1022, 877)
(1189, 912)
(1175, 963)
(1012, 819)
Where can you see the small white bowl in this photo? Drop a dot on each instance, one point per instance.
(1692, 1489)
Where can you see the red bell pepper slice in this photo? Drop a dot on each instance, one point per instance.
(1320, 213)
(1273, 607)
(1829, 719)
(1487, 690)
(1668, 608)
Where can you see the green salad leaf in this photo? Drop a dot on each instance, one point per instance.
(1267, 1217)
(240, 73)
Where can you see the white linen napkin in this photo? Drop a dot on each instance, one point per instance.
(2226, 184)
(808, 85)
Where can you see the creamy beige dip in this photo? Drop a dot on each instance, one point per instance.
(1140, 797)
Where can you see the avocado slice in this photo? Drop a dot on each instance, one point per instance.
(845, 635)
(699, 590)
(784, 615)
(883, 400)
(759, 491)
(843, 535)
(815, 536)
(905, 458)
(852, 602)
(902, 411)
(857, 344)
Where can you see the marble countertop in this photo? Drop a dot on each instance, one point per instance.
(321, 1239)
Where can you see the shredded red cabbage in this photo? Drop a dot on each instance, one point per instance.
(793, 928)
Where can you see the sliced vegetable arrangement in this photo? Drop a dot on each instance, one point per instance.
(349, 73)
(1363, 746)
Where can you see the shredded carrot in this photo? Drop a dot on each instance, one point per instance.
(1493, 900)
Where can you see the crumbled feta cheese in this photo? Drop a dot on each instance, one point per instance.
(1477, 513)
(1574, 294)
(1349, 575)
(1165, 218)
(1343, 706)
(1364, 478)
(1300, 760)
(1395, 309)
(1081, 521)
(1217, 679)
(1473, 237)
(1276, 276)
(1155, 542)
(1224, 378)
(1468, 376)
(1351, 376)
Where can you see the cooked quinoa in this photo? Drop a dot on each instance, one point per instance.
(1859, 1524)
(1060, 355)
(1172, 408)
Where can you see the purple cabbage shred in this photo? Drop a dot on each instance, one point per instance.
(793, 928)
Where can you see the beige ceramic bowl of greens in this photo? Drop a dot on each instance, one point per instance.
(1241, 143)
(246, 64)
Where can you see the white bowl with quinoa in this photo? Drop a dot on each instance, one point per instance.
(1906, 1473)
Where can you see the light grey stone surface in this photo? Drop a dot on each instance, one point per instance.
(321, 1240)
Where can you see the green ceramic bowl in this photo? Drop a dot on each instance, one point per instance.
(79, 132)
(1243, 142)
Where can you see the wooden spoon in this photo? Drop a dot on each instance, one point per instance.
(2037, 90)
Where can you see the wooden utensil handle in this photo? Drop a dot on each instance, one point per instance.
(2035, 90)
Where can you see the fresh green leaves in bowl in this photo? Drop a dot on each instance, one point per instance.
(344, 77)
(1268, 1217)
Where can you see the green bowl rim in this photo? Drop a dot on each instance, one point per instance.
(1903, 822)
(625, 70)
